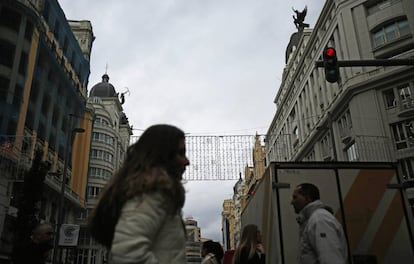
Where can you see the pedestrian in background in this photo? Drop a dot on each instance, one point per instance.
(321, 237)
(228, 256)
(138, 216)
(212, 252)
(38, 248)
(250, 249)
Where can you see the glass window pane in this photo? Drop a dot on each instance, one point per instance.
(391, 32)
(404, 28)
(378, 38)
(390, 98)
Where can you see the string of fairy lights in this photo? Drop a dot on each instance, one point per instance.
(215, 157)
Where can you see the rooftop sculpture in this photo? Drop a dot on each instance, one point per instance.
(300, 18)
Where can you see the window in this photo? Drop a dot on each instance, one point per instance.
(403, 133)
(100, 137)
(101, 155)
(18, 95)
(84, 237)
(326, 146)
(23, 63)
(10, 18)
(11, 127)
(29, 31)
(6, 53)
(405, 92)
(311, 156)
(46, 104)
(389, 97)
(409, 127)
(4, 89)
(84, 214)
(390, 32)
(352, 152)
(93, 192)
(102, 121)
(292, 115)
(407, 168)
(296, 132)
(345, 122)
(82, 257)
(99, 173)
(406, 99)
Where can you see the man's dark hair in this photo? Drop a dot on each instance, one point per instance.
(309, 190)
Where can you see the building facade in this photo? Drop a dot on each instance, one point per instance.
(228, 224)
(368, 115)
(110, 140)
(43, 82)
(193, 241)
(243, 189)
(239, 199)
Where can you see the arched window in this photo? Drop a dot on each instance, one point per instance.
(390, 32)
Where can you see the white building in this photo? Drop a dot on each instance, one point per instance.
(368, 115)
(110, 140)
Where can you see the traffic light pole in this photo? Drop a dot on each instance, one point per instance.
(375, 62)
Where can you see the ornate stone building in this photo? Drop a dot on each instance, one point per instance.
(110, 140)
(242, 190)
(368, 115)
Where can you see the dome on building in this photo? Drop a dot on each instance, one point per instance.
(103, 89)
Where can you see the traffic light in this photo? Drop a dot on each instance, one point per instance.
(330, 62)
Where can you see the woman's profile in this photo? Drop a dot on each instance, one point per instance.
(138, 216)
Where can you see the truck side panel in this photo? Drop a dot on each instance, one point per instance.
(375, 217)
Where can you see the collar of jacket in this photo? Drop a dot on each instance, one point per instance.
(307, 211)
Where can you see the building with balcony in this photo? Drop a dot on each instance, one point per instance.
(110, 140)
(368, 114)
(253, 174)
(43, 82)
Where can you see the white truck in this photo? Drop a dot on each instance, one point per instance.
(369, 199)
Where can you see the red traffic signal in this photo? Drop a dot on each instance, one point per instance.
(330, 62)
(330, 52)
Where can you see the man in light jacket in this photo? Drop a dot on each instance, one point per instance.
(321, 237)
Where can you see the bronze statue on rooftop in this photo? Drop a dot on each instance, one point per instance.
(300, 18)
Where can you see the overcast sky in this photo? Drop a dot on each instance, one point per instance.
(210, 67)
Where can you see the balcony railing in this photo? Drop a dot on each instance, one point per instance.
(55, 182)
(369, 148)
(374, 148)
(406, 107)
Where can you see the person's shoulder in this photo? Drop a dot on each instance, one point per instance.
(148, 197)
(322, 215)
(318, 214)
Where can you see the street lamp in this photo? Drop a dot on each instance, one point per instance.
(69, 138)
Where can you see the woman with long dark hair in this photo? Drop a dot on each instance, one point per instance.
(138, 216)
(250, 249)
(212, 252)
